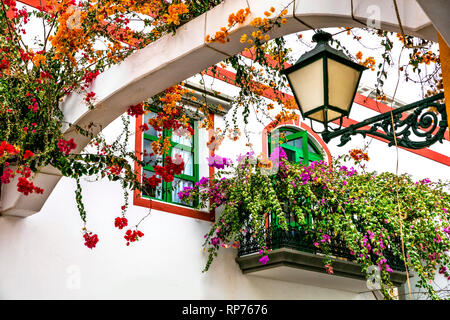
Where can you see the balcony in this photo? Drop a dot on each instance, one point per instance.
(293, 257)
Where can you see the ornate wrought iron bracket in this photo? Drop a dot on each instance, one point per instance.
(421, 128)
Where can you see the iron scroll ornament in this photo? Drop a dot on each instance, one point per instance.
(427, 122)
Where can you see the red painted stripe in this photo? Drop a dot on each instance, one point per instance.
(38, 4)
(211, 169)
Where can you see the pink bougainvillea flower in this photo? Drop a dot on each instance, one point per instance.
(120, 222)
(66, 146)
(218, 162)
(264, 259)
(90, 240)
(277, 154)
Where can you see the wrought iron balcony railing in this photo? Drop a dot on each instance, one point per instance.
(302, 239)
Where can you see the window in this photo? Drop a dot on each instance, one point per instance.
(182, 145)
(298, 146)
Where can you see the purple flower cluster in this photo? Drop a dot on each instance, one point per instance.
(310, 172)
(202, 182)
(277, 154)
(443, 269)
(386, 266)
(366, 243)
(219, 162)
(215, 192)
(424, 181)
(185, 193)
(305, 175)
(325, 238)
(447, 230)
(248, 155)
(215, 241)
(264, 259)
(349, 172)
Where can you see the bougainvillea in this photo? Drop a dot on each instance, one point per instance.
(67, 58)
(359, 208)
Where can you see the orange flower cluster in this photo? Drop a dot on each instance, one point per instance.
(233, 19)
(239, 17)
(290, 104)
(175, 11)
(259, 88)
(368, 63)
(109, 8)
(264, 162)
(359, 155)
(284, 116)
(169, 117)
(161, 146)
(264, 25)
(426, 57)
(382, 98)
(438, 88)
(259, 22)
(234, 134)
(359, 55)
(38, 59)
(280, 58)
(265, 22)
(68, 40)
(207, 124)
(216, 140)
(220, 36)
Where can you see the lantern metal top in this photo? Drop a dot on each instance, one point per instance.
(322, 49)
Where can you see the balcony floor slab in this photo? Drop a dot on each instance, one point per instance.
(307, 268)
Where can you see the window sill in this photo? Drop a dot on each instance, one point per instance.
(173, 208)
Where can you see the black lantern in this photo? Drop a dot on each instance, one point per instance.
(324, 81)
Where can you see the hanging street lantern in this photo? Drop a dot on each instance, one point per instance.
(324, 82)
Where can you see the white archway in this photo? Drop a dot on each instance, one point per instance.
(173, 59)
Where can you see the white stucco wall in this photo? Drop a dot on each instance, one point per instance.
(43, 256)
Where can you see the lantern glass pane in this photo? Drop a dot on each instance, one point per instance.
(307, 84)
(330, 115)
(342, 83)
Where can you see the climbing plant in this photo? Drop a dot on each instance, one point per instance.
(348, 205)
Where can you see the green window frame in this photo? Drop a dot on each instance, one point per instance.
(298, 146)
(187, 148)
(300, 149)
